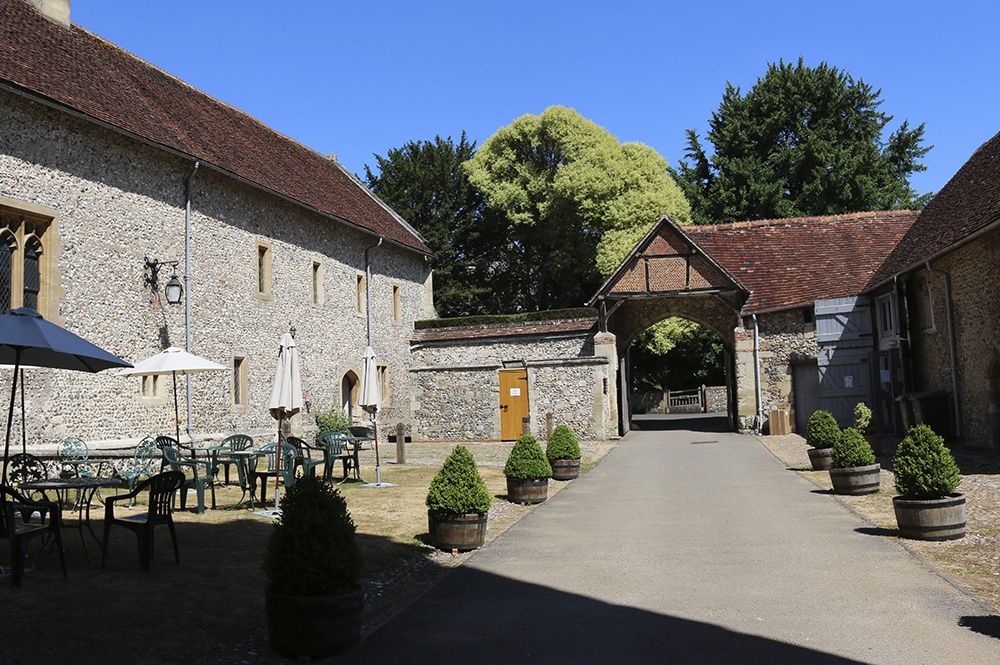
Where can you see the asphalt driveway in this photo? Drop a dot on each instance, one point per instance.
(688, 546)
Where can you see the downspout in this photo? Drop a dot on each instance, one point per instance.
(756, 375)
(187, 286)
(951, 343)
(368, 286)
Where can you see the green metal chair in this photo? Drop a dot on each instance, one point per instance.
(304, 457)
(201, 471)
(161, 488)
(361, 435)
(334, 445)
(143, 460)
(283, 464)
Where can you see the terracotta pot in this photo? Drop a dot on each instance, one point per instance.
(930, 519)
(821, 458)
(565, 469)
(314, 626)
(531, 490)
(456, 532)
(856, 479)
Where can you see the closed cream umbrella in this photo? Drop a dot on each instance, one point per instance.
(286, 396)
(370, 399)
(173, 361)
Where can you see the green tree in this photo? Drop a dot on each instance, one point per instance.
(425, 183)
(565, 184)
(676, 354)
(803, 141)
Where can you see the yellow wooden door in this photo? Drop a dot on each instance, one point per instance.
(513, 402)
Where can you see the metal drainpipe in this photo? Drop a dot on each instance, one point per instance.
(368, 286)
(951, 344)
(756, 374)
(187, 286)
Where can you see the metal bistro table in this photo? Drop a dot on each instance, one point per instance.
(85, 488)
(244, 460)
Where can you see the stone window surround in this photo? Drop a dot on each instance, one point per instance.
(397, 309)
(152, 389)
(239, 363)
(49, 245)
(361, 294)
(316, 283)
(263, 270)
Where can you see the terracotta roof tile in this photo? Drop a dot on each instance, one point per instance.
(969, 202)
(793, 262)
(83, 72)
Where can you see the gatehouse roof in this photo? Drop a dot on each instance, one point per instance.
(77, 71)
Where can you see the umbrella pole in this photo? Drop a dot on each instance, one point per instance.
(277, 469)
(24, 434)
(10, 411)
(177, 417)
(378, 468)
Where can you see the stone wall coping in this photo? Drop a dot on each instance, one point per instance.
(467, 366)
(545, 362)
(549, 362)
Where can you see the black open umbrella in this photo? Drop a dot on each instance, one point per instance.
(28, 339)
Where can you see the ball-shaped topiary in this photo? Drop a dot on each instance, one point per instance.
(852, 450)
(312, 550)
(923, 466)
(458, 489)
(822, 430)
(562, 445)
(527, 461)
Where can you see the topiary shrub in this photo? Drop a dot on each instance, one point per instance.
(562, 445)
(924, 467)
(527, 461)
(312, 550)
(852, 450)
(822, 430)
(458, 489)
(864, 420)
(333, 420)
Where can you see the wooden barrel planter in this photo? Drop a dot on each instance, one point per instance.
(821, 458)
(456, 532)
(531, 490)
(314, 626)
(565, 469)
(930, 519)
(856, 479)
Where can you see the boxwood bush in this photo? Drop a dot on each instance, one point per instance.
(822, 430)
(312, 550)
(333, 420)
(527, 461)
(924, 467)
(458, 488)
(864, 420)
(851, 450)
(562, 445)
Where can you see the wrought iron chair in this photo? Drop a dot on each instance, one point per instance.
(234, 442)
(23, 468)
(201, 471)
(161, 488)
(23, 520)
(304, 457)
(283, 464)
(334, 445)
(144, 458)
(73, 455)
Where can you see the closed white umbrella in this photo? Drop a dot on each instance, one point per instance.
(286, 395)
(173, 361)
(370, 400)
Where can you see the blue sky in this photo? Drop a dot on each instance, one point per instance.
(356, 78)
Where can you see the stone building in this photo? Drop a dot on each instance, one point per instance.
(116, 176)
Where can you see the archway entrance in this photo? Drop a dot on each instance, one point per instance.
(349, 385)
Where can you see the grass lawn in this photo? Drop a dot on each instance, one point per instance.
(175, 614)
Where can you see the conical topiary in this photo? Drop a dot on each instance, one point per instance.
(527, 461)
(822, 430)
(923, 466)
(562, 445)
(852, 450)
(458, 489)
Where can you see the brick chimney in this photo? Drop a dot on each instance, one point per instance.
(56, 11)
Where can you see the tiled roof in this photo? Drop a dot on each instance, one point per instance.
(792, 262)
(969, 202)
(518, 329)
(78, 70)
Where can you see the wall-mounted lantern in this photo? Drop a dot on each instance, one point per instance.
(173, 290)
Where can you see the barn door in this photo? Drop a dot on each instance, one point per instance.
(844, 359)
(513, 402)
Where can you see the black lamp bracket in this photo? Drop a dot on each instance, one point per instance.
(153, 266)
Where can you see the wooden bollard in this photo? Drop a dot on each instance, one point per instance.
(400, 444)
(548, 425)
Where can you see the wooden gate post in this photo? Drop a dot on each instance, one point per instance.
(526, 425)
(400, 444)
(548, 425)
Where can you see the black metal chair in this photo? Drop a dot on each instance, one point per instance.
(23, 520)
(161, 488)
(23, 468)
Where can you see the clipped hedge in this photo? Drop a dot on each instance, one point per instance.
(822, 430)
(487, 319)
(923, 466)
(562, 445)
(852, 450)
(458, 489)
(527, 461)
